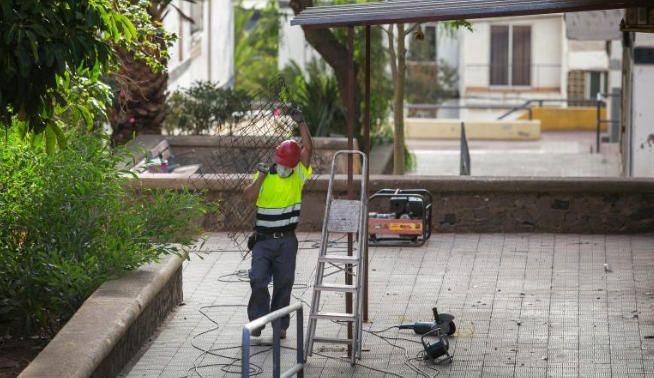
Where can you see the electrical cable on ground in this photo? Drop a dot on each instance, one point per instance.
(231, 365)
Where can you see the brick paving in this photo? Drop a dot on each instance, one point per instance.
(526, 305)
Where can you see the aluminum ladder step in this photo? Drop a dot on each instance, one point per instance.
(333, 316)
(331, 340)
(341, 216)
(339, 259)
(342, 288)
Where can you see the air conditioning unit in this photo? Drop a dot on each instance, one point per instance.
(638, 20)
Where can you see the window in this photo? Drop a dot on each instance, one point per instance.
(510, 60)
(595, 83)
(197, 13)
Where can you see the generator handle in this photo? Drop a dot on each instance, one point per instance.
(389, 195)
(423, 192)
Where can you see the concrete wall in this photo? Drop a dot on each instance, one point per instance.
(571, 118)
(430, 128)
(473, 204)
(112, 325)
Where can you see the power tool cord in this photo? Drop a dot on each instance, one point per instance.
(231, 366)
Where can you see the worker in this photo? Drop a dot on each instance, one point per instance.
(277, 191)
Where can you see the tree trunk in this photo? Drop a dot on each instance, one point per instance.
(140, 104)
(335, 54)
(398, 69)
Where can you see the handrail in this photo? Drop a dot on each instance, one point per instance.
(528, 105)
(274, 318)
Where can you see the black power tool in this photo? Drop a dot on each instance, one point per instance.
(444, 322)
(438, 351)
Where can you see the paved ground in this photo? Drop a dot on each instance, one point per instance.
(526, 305)
(556, 154)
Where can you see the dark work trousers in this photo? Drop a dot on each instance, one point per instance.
(272, 258)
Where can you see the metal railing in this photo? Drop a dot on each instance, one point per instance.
(538, 76)
(528, 106)
(274, 318)
(597, 103)
(464, 164)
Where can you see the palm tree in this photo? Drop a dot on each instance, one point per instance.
(140, 93)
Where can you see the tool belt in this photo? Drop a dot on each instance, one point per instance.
(258, 236)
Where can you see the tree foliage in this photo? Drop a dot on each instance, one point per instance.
(256, 46)
(68, 224)
(318, 98)
(45, 45)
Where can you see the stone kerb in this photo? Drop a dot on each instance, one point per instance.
(112, 324)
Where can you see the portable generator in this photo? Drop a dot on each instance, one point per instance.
(404, 220)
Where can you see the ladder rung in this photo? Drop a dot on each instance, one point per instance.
(339, 259)
(336, 287)
(332, 340)
(334, 316)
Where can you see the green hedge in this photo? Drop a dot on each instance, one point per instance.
(67, 224)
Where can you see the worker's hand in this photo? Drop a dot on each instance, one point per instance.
(296, 116)
(263, 168)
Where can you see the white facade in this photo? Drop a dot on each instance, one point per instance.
(548, 65)
(640, 117)
(547, 53)
(204, 51)
(293, 47)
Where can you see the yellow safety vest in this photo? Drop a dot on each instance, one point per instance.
(280, 200)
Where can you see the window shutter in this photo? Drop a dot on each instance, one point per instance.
(499, 64)
(521, 74)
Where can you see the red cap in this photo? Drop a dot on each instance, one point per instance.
(288, 153)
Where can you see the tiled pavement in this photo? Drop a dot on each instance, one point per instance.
(526, 305)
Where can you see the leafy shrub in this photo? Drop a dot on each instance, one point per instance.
(318, 98)
(68, 224)
(205, 108)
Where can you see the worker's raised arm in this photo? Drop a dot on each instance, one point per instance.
(307, 143)
(251, 192)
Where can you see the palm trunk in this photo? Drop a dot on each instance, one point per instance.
(140, 104)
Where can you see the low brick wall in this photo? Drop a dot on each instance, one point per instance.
(112, 324)
(477, 204)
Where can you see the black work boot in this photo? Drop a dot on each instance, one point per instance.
(257, 332)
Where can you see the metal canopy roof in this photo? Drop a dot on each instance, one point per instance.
(401, 11)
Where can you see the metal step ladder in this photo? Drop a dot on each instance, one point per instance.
(349, 217)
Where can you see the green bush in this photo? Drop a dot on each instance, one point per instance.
(318, 98)
(205, 108)
(69, 224)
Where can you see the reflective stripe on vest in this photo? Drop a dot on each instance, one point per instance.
(278, 218)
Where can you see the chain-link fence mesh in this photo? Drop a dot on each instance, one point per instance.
(252, 140)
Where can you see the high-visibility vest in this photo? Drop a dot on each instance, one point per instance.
(280, 200)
